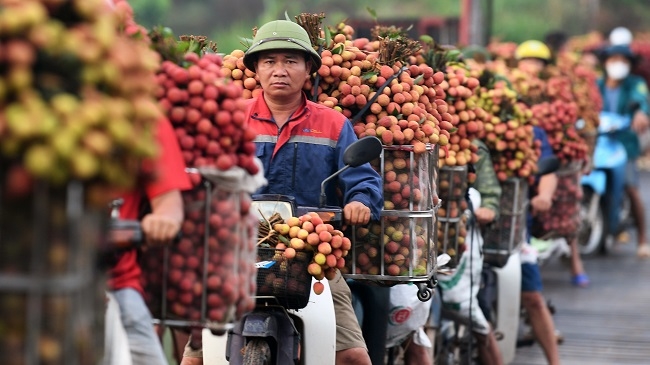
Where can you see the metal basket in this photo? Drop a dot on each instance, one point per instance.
(287, 280)
(207, 279)
(508, 232)
(452, 222)
(400, 247)
(52, 294)
(563, 219)
(409, 179)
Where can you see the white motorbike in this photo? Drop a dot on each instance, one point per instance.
(500, 293)
(277, 333)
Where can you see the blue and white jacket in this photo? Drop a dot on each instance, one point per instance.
(308, 149)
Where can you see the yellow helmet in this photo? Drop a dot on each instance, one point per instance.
(533, 49)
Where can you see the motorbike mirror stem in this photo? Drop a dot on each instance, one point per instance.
(323, 196)
(356, 154)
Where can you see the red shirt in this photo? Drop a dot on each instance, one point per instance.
(170, 175)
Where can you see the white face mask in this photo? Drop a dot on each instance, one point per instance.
(617, 70)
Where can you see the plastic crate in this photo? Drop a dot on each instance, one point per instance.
(52, 293)
(287, 280)
(508, 232)
(207, 279)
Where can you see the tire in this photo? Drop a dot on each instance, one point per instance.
(257, 352)
(591, 235)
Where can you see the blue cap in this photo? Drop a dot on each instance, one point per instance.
(620, 49)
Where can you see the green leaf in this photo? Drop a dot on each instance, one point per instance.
(427, 39)
(453, 130)
(372, 13)
(338, 49)
(328, 37)
(453, 55)
(183, 46)
(368, 75)
(283, 239)
(418, 79)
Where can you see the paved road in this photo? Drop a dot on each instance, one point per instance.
(608, 323)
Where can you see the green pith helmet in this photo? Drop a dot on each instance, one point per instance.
(281, 35)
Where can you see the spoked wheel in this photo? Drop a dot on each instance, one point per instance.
(591, 234)
(257, 352)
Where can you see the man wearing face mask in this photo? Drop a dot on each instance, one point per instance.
(627, 94)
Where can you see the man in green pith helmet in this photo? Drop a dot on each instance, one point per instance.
(300, 144)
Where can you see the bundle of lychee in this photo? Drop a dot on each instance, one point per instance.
(402, 248)
(300, 246)
(76, 94)
(206, 109)
(556, 111)
(502, 50)
(531, 88)
(468, 117)
(558, 121)
(509, 132)
(586, 42)
(125, 14)
(587, 95)
(209, 275)
(460, 84)
(585, 89)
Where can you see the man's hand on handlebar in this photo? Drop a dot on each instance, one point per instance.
(484, 215)
(159, 228)
(164, 222)
(356, 213)
(541, 203)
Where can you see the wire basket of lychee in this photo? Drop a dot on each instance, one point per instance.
(293, 251)
(204, 280)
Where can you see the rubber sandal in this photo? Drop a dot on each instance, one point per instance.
(581, 280)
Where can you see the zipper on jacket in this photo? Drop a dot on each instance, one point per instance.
(295, 159)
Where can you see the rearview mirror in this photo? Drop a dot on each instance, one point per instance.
(548, 165)
(362, 151)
